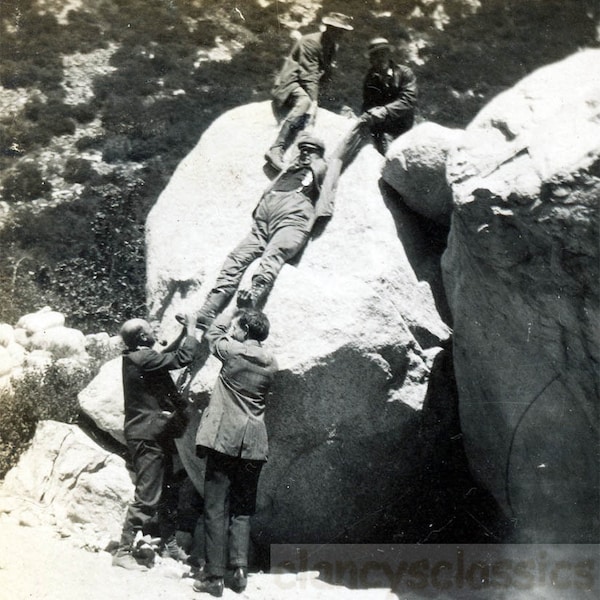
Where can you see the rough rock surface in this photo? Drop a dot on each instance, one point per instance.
(40, 321)
(354, 326)
(102, 399)
(60, 341)
(416, 168)
(65, 479)
(521, 273)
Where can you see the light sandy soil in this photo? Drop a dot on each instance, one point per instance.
(36, 564)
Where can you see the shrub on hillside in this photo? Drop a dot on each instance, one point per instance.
(89, 142)
(83, 113)
(116, 149)
(86, 258)
(38, 397)
(26, 184)
(78, 170)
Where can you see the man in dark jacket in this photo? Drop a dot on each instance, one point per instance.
(282, 223)
(389, 96)
(233, 436)
(155, 414)
(296, 90)
(388, 111)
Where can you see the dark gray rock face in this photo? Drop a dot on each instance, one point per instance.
(521, 274)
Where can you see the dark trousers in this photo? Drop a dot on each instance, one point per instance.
(350, 146)
(295, 109)
(230, 485)
(155, 490)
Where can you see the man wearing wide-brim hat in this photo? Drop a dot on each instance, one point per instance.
(296, 90)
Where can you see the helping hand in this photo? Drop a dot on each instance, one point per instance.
(244, 299)
(377, 114)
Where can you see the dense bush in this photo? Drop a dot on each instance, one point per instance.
(26, 184)
(78, 170)
(86, 259)
(37, 397)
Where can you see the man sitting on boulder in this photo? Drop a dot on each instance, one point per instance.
(389, 96)
(296, 89)
(155, 414)
(389, 99)
(283, 221)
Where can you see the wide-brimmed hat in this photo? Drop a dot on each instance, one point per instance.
(378, 43)
(339, 20)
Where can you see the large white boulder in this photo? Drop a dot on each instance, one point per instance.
(353, 326)
(60, 341)
(6, 361)
(7, 334)
(43, 319)
(521, 273)
(73, 483)
(416, 168)
(102, 399)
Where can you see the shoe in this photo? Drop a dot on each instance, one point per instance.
(274, 157)
(259, 292)
(213, 305)
(125, 560)
(211, 585)
(143, 552)
(172, 549)
(244, 299)
(239, 580)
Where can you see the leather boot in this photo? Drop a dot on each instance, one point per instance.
(259, 292)
(210, 585)
(215, 302)
(213, 305)
(277, 151)
(124, 558)
(239, 580)
(171, 549)
(256, 296)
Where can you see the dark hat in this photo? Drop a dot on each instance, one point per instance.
(378, 43)
(339, 20)
(310, 141)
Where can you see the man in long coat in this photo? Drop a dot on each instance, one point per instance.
(233, 436)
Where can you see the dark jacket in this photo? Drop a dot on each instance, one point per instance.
(309, 60)
(149, 390)
(319, 168)
(396, 89)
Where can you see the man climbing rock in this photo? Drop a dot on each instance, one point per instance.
(282, 223)
(155, 414)
(296, 90)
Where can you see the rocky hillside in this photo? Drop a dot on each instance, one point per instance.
(380, 429)
(101, 100)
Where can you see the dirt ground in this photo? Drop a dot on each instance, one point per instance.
(36, 564)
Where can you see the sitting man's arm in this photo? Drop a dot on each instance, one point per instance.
(405, 101)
